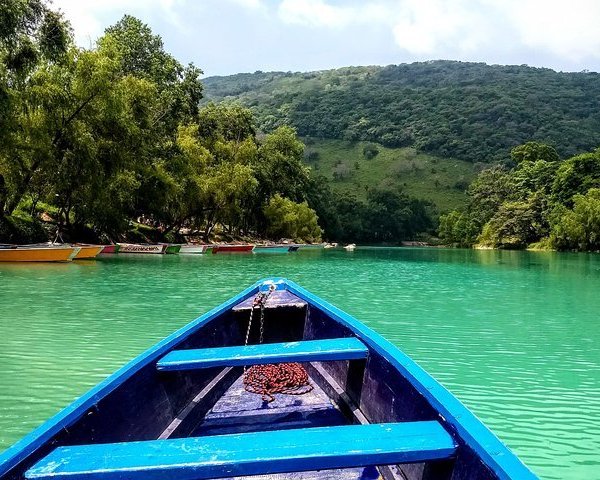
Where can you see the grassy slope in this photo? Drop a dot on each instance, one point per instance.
(415, 173)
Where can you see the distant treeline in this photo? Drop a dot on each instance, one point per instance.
(97, 139)
(540, 201)
(470, 111)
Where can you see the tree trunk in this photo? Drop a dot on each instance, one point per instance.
(3, 194)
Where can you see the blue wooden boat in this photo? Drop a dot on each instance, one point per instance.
(275, 248)
(187, 410)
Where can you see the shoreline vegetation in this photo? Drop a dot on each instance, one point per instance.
(117, 143)
(540, 202)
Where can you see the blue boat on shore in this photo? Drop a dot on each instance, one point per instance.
(274, 382)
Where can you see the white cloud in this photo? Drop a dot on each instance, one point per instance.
(568, 29)
(86, 17)
(507, 31)
(319, 13)
(459, 28)
(431, 26)
(251, 4)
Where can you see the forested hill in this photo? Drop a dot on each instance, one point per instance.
(470, 111)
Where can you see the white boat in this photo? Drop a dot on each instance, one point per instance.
(192, 248)
(350, 247)
(142, 248)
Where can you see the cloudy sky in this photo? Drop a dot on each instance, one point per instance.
(230, 36)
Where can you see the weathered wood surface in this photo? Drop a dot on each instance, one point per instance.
(239, 411)
(305, 351)
(360, 473)
(276, 299)
(256, 453)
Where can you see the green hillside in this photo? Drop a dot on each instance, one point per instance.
(438, 180)
(471, 111)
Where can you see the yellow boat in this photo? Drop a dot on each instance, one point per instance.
(88, 251)
(38, 254)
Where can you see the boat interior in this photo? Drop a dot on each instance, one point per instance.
(361, 420)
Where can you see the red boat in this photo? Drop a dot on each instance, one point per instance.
(233, 248)
(110, 249)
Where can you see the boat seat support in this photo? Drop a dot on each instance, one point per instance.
(255, 453)
(305, 351)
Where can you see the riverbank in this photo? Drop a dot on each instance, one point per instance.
(21, 228)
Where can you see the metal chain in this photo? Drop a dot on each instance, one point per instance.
(262, 322)
(259, 301)
(266, 380)
(262, 311)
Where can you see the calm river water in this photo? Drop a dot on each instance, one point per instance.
(515, 335)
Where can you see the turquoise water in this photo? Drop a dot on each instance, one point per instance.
(515, 335)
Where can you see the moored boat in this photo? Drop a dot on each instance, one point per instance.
(274, 248)
(228, 248)
(172, 248)
(350, 247)
(275, 381)
(44, 253)
(142, 248)
(193, 248)
(87, 251)
(113, 248)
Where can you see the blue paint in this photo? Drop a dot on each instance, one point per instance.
(306, 351)
(250, 454)
(505, 464)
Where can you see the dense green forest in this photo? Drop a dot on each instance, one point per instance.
(469, 111)
(539, 202)
(112, 141)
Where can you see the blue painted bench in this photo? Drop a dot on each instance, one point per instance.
(256, 453)
(306, 351)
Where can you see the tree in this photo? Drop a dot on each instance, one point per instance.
(514, 225)
(280, 157)
(83, 127)
(29, 33)
(576, 176)
(488, 191)
(393, 216)
(458, 228)
(578, 228)
(288, 219)
(534, 152)
(143, 56)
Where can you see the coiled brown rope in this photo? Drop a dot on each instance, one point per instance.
(267, 380)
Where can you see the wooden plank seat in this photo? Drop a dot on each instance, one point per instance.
(256, 453)
(305, 351)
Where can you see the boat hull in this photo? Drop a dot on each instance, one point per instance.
(272, 249)
(110, 249)
(88, 251)
(172, 249)
(192, 249)
(378, 385)
(142, 249)
(232, 248)
(38, 254)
